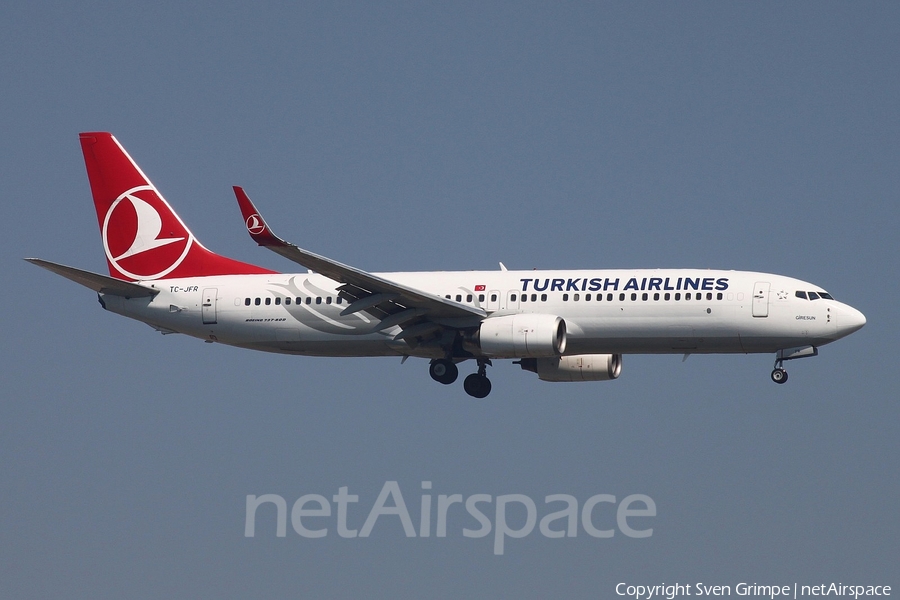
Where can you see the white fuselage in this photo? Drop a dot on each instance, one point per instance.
(605, 311)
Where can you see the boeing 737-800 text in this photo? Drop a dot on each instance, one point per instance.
(563, 325)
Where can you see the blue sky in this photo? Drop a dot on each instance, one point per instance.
(420, 136)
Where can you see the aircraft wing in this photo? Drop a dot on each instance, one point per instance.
(99, 283)
(394, 303)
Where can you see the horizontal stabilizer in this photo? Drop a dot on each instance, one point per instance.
(99, 283)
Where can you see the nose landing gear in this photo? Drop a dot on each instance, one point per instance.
(779, 375)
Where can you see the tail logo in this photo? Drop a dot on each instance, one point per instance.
(142, 237)
(255, 224)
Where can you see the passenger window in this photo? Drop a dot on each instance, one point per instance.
(813, 296)
(459, 297)
(493, 297)
(575, 297)
(633, 297)
(719, 296)
(709, 295)
(621, 297)
(287, 301)
(318, 300)
(268, 301)
(309, 299)
(543, 297)
(565, 297)
(687, 296)
(512, 297)
(667, 296)
(481, 297)
(524, 298)
(278, 301)
(656, 296)
(298, 300)
(587, 297)
(447, 296)
(609, 297)
(256, 302)
(339, 300)
(678, 295)
(469, 298)
(246, 301)
(644, 296)
(699, 296)
(328, 300)
(534, 297)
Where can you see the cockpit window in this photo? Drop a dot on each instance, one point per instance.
(814, 295)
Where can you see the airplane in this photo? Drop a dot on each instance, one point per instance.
(563, 325)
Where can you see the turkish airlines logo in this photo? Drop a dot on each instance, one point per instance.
(255, 224)
(142, 237)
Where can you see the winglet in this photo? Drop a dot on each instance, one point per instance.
(411, 300)
(256, 225)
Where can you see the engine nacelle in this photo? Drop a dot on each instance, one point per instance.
(579, 367)
(522, 336)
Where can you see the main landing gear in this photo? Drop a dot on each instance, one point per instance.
(476, 385)
(443, 371)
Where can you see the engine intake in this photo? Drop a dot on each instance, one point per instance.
(522, 336)
(579, 367)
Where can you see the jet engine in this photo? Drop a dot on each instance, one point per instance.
(522, 335)
(579, 367)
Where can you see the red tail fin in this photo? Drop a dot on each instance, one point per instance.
(143, 237)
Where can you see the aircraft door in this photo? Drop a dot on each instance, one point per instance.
(493, 300)
(761, 299)
(208, 306)
(512, 300)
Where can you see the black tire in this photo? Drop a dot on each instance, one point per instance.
(443, 371)
(477, 386)
(779, 376)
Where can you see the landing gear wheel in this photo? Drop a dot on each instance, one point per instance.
(477, 386)
(443, 371)
(779, 375)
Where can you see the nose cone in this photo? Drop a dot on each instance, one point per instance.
(849, 320)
